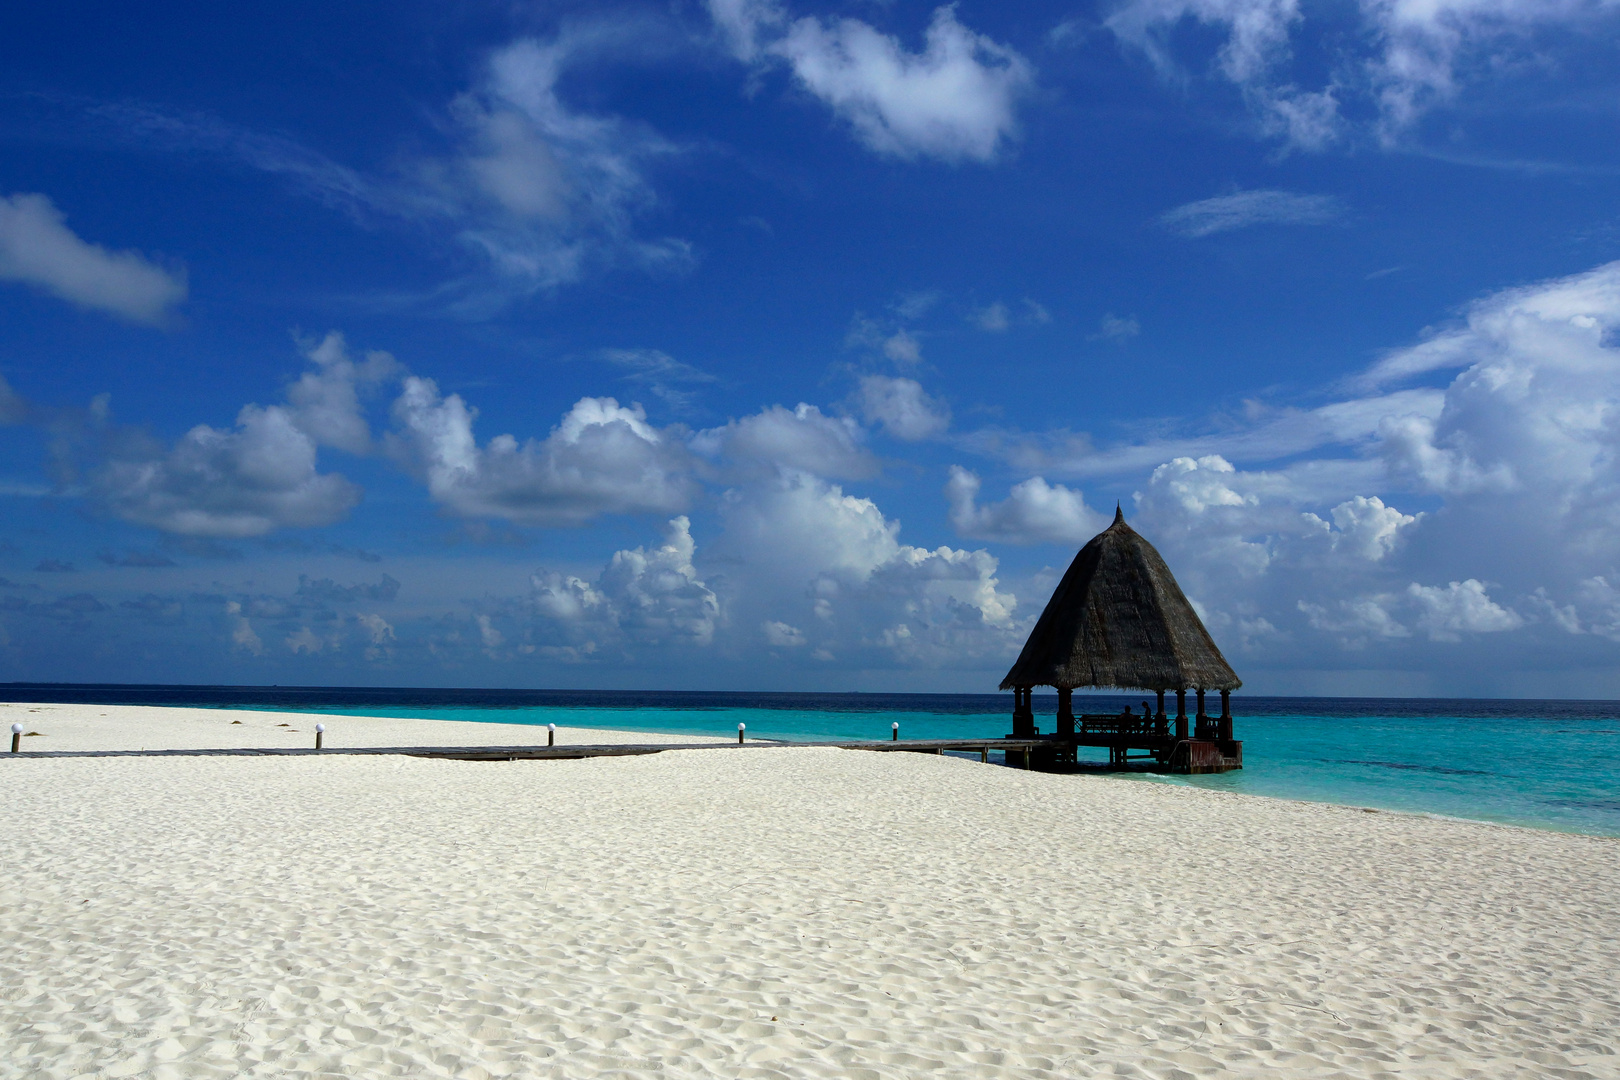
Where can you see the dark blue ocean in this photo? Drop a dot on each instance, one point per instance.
(1546, 764)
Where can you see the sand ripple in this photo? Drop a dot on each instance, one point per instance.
(800, 913)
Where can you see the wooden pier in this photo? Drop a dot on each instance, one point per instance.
(1046, 753)
(1017, 752)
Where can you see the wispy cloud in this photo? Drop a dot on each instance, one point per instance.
(1240, 210)
(660, 373)
(955, 100)
(544, 193)
(1410, 57)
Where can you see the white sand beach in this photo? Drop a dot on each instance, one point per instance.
(771, 913)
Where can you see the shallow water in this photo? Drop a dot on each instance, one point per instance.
(1547, 764)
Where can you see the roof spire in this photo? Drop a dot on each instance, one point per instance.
(1119, 514)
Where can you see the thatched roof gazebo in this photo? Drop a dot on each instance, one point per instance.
(1119, 620)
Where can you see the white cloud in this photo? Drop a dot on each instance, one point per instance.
(252, 479)
(782, 636)
(1034, 512)
(803, 438)
(243, 636)
(246, 481)
(381, 634)
(306, 641)
(992, 317)
(1116, 329)
(902, 407)
(660, 373)
(603, 458)
(1243, 209)
(546, 192)
(997, 317)
(1357, 621)
(325, 402)
(1369, 528)
(543, 193)
(1411, 56)
(1426, 42)
(954, 101)
(37, 248)
(642, 598)
(896, 343)
(801, 552)
(1197, 485)
(1461, 607)
(1256, 45)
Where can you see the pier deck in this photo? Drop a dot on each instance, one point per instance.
(563, 752)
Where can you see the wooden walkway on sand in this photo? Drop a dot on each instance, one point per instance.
(1017, 750)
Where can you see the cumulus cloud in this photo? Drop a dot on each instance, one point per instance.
(955, 100)
(1462, 607)
(37, 248)
(831, 565)
(325, 402)
(782, 636)
(380, 634)
(1243, 209)
(1034, 512)
(802, 438)
(603, 458)
(1512, 455)
(1368, 528)
(244, 481)
(260, 475)
(644, 597)
(243, 636)
(902, 407)
(897, 344)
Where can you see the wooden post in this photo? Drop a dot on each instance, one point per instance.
(984, 755)
(1065, 714)
(1226, 714)
(1160, 715)
(551, 734)
(16, 737)
(1181, 714)
(1026, 757)
(1202, 715)
(1023, 712)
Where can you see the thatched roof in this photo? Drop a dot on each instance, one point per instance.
(1118, 619)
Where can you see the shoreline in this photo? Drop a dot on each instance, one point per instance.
(478, 732)
(809, 913)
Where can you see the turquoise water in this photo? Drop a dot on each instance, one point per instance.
(1547, 764)
(1560, 772)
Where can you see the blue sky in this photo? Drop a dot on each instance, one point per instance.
(757, 345)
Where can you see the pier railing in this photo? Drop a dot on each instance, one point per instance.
(1123, 727)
